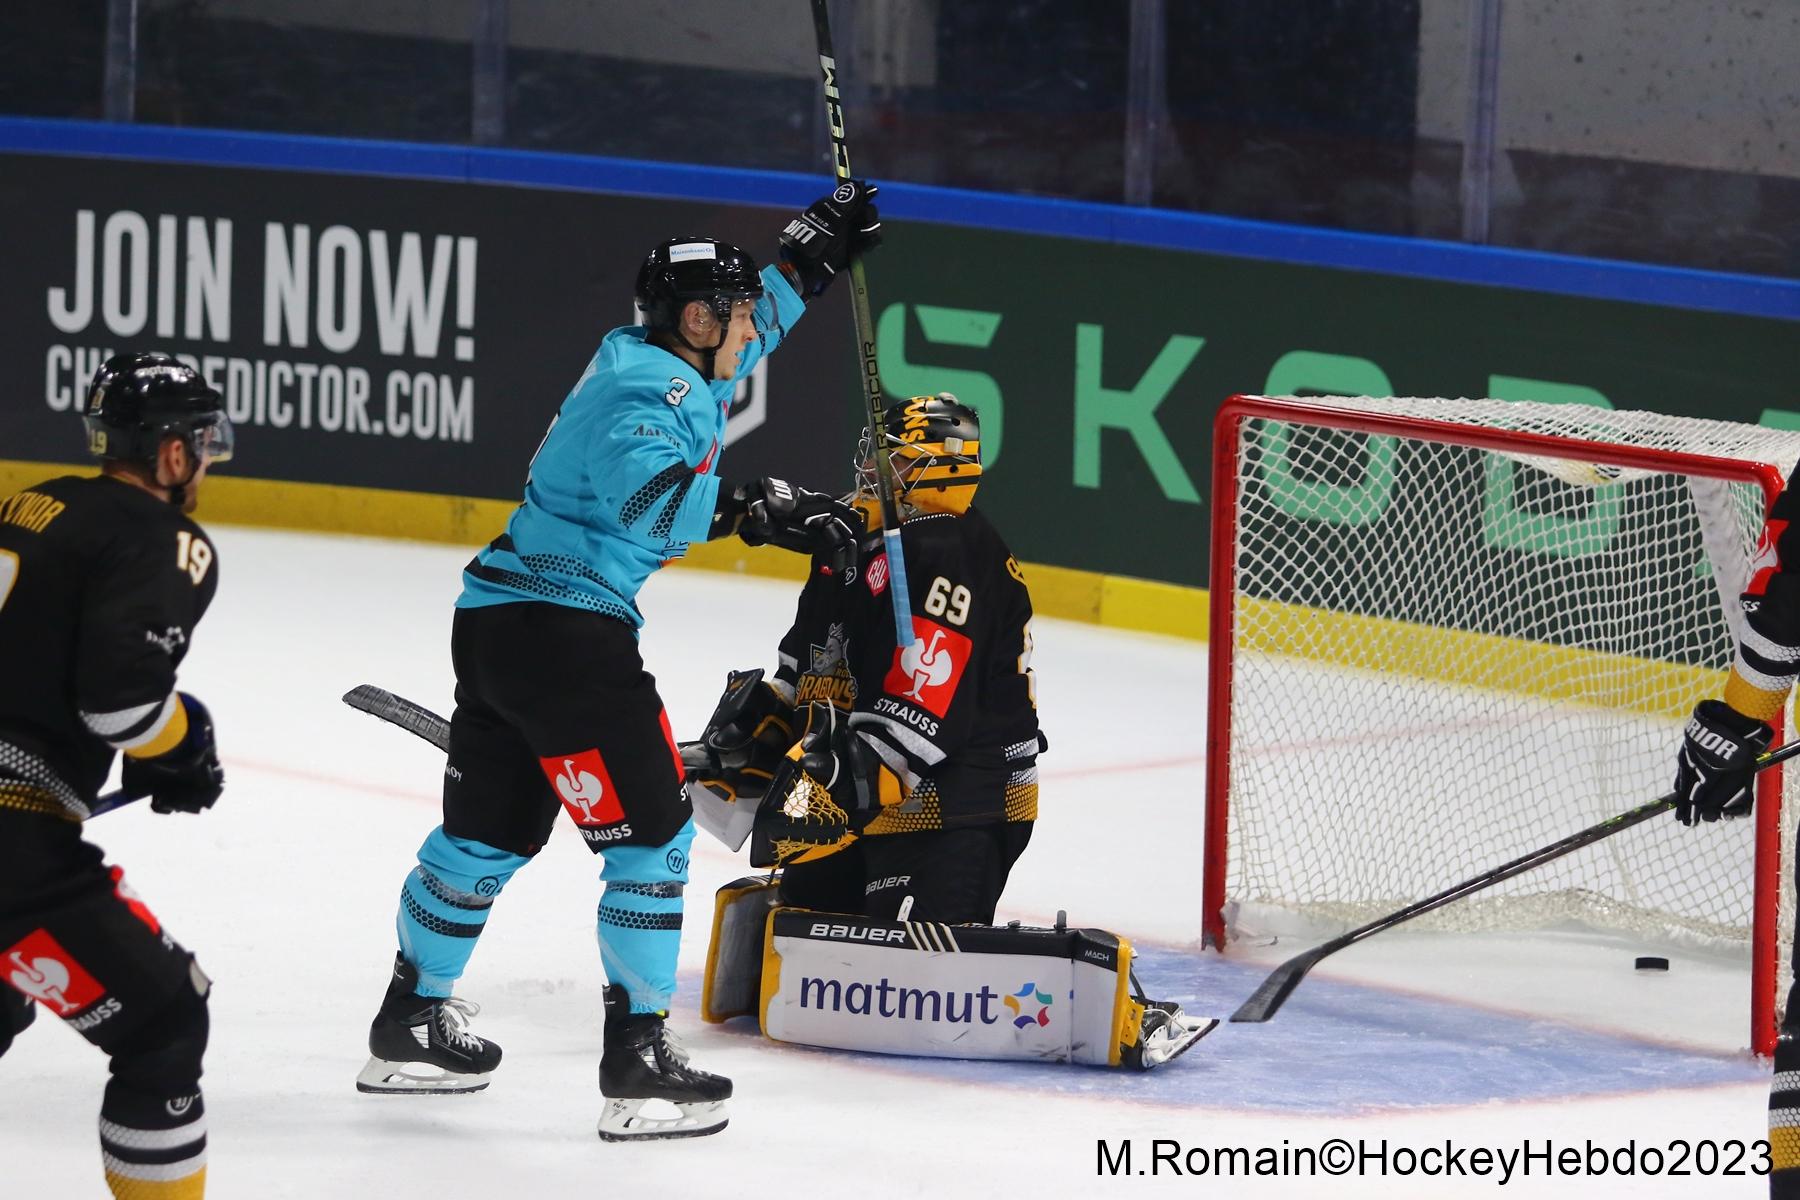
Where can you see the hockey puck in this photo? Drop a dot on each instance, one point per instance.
(1650, 962)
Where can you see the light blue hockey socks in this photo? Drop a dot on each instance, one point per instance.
(640, 918)
(444, 905)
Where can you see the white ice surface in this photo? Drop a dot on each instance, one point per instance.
(286, 890)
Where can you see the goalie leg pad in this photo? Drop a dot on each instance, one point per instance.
(963, 991)
(734, 956)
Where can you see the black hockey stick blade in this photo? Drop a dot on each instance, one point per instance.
(1268, 998)
(414, 718)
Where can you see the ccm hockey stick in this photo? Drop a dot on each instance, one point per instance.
(413, 718)
(874, 400)
(1280, 984)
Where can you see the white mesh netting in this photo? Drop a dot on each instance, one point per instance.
(1445, 657)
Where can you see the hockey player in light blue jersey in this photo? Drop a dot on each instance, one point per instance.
(554, 709)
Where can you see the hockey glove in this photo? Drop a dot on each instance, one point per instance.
(778, 513)
(822, 792)
(1717, 771)
(742, 746)
(187, 778)
(829, 235)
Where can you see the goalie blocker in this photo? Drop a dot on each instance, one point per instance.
(922, 988)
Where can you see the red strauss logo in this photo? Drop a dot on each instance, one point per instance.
(927, 672)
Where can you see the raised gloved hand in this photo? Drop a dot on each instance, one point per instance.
(774, 512)
(1717, 772)
(187, 778)
(832, 232)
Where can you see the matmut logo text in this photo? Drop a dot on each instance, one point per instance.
(896, 1002)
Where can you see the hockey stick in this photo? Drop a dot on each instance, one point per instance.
(1268, 998)
(413, 718)
(873, 398)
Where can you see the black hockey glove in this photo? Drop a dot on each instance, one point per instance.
(833, 231)
(185, 779)
(744, 741)
(1716, 776)
(823, 791)
(774, 512)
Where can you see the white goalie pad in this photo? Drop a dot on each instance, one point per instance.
(963, 991)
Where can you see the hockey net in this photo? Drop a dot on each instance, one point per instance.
(1494, 617)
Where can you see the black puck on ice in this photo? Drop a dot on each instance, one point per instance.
(1651, 962)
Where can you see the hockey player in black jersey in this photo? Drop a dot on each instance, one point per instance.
(900, 784)
(1715, 775)
(102, 582)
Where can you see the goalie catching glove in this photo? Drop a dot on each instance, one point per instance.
(825, 790)
(1717, 772)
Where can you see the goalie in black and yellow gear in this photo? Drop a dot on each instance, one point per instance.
(908, 785)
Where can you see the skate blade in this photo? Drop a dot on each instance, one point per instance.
(383, 1077)
(1173, 1041)
(620, 1121)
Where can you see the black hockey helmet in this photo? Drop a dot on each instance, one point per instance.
(716, 273)
(137, 400)
(934, 444)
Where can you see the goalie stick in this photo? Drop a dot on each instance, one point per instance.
(874, 400)
(1274, 991)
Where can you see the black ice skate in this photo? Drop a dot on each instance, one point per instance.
(422, 1043)
(643, 1062)
(1165, 1032)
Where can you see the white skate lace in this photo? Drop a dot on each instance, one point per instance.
(454, 1023)
(673, 1047)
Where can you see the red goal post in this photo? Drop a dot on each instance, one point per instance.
(1363, 549)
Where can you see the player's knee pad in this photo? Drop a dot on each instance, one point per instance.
(158, 1058)
(153, 1119)
(919, 988)
(664, 863)
(457, 879)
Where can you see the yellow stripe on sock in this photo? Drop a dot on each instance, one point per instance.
(188, 1187)
(1784, 1148)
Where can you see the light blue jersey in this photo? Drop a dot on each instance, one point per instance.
(626, 477)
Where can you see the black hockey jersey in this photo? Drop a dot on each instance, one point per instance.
(1768, 652)
(954, 715)
(101, 586)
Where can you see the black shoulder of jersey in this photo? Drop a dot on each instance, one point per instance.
(100, 507)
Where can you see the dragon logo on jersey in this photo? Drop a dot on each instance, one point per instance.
(1768, 557)
(1029, 1007)
(828, 677)
(39, 967)
(928, 671)
(585, 787)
